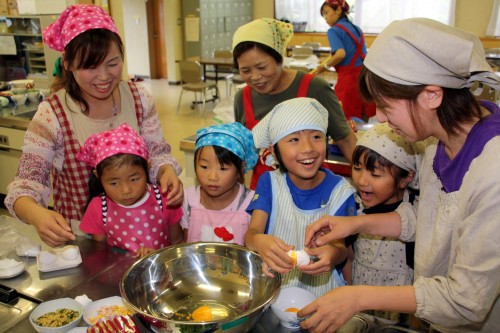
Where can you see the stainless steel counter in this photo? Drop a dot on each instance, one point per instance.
(98, 276)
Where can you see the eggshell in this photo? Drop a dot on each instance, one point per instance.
(301, 257)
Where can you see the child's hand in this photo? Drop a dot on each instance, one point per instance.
(143, 251)
(274, 253)
(325, 260)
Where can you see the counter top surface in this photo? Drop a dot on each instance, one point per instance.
(98, 276)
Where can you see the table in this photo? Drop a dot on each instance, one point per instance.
(217, 62)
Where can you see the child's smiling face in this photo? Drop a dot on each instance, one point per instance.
(302, 153)
(377, 186)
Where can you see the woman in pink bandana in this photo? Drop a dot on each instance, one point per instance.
(124, 208)
(88, 98)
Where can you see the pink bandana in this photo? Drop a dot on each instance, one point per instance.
(341, 3)
(121, 140)
(73, 21)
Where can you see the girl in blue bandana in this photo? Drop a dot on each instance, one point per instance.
(214, 210)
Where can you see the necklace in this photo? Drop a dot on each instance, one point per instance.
(114, 109)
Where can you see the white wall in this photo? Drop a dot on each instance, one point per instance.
(136, 37)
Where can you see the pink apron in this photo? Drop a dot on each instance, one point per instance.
(221, 226)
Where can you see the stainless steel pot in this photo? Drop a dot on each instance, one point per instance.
(167, 286)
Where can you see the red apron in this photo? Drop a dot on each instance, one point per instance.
(260, 168)
(347, 83)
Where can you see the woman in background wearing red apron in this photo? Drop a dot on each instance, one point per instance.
(348, 52)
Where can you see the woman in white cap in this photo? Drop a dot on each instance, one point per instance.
(418, 72)
(89, 97)
(299, 192)
(258, 49)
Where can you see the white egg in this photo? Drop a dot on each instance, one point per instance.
(70, 253)
(299, 258)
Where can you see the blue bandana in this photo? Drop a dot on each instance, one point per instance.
(234, 137)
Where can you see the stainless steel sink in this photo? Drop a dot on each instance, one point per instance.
(356, 324)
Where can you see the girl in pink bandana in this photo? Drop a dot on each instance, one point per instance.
(89, 97)
(124, 209)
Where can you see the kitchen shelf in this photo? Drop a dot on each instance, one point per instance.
(32, 55)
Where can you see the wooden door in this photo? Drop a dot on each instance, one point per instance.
(157, 47)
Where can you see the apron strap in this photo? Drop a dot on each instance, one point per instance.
(248, 107)
(359, 44)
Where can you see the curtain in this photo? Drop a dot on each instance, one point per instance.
(374, 15)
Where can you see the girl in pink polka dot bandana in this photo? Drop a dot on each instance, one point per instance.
(124, 208)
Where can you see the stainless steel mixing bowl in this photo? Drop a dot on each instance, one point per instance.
(166, 286)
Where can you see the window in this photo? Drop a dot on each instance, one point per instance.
(371, 15)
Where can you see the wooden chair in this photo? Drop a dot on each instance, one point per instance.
(192, 80)
(235, 81)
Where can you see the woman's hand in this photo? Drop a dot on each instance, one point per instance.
(330, 311)
(171, 184)
(329, 228)
(274, 254)
(327, 255)
(51, 226)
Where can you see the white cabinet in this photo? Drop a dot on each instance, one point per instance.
(33, 56)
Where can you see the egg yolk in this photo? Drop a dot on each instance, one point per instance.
(203, 313)
(293, 255)
(291, 310)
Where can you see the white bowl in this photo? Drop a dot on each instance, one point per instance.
(22, 83)
(19, 99)
(291, 298)
(91, 313)
(51, 306)
(11, 265)
(33, 96)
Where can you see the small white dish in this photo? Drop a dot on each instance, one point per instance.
(51, 306)
(33, 96)
(56, 259)
(91, 312)
(22, 83)
(19, 99)
(10, 268)
(289, 300)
